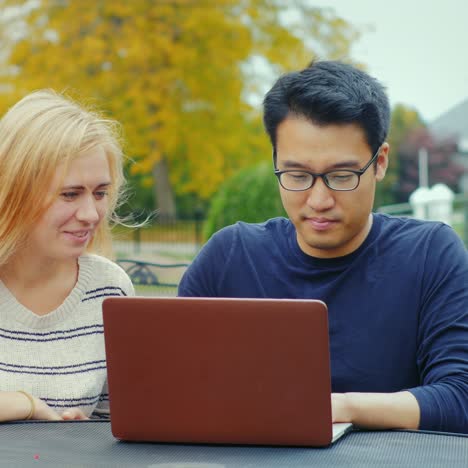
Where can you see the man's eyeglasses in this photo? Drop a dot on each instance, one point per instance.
(342, 180)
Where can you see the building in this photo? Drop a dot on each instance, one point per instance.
(454, 123)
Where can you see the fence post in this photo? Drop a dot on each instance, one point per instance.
(465, 221)
(198, 226)
(137, 240)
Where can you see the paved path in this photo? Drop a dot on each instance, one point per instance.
(159, 252)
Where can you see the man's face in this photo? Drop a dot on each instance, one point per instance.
(328, 223)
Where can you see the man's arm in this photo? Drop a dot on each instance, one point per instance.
(377, 410)
(440, 401)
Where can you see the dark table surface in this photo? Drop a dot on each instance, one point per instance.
(90, 443)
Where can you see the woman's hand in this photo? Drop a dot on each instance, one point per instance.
(73, 414)
(42, 411)
(20, 405)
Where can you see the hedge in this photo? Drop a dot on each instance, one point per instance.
(250, 195)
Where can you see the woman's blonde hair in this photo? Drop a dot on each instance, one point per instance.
(40, 132)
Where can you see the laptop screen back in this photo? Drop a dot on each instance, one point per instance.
(198, 370)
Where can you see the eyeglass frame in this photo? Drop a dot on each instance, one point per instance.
(323, 175)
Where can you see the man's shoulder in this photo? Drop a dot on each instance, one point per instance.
(271, 227)
(245, 238)
(228, 263)
(416, 238)
(410, 229)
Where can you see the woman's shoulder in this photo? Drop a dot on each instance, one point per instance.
(97, 261)
(105, 270)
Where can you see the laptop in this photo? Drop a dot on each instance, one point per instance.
(219, 371)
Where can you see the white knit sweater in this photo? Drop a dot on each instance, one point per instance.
(60, 357)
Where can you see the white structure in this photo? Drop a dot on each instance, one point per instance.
(434, 203)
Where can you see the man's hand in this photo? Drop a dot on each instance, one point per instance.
(398, 410)
(340, 408)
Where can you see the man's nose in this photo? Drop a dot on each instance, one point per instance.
(320, 197)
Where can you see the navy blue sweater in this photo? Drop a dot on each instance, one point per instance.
(398, 305)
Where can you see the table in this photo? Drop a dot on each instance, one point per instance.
(90, 443)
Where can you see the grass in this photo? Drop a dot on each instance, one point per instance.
(145, 290)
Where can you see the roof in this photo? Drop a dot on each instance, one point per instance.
(454, 122)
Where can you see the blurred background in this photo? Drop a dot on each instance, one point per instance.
(186, 80)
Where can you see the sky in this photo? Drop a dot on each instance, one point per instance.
(417, 49)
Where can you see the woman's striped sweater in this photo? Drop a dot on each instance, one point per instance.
(60, 357)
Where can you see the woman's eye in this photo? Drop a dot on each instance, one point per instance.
(100, 195)
(69, 195)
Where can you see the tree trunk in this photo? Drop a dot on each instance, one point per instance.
(164, 195)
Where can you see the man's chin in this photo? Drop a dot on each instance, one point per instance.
(321, 248)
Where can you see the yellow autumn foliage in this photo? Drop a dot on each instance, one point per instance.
(175, 73)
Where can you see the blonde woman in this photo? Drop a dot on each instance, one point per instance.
(60, 180)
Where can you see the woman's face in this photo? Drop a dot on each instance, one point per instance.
(66, 228)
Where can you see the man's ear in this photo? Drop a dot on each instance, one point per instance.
(382, 162)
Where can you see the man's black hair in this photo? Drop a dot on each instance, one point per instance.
(329, 92)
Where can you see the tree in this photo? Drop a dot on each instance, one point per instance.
(441, 166)
(249, 195)
(404, 120)
(178, 74)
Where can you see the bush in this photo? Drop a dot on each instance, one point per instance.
(250, 195)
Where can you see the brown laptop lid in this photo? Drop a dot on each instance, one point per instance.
(242, 371)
